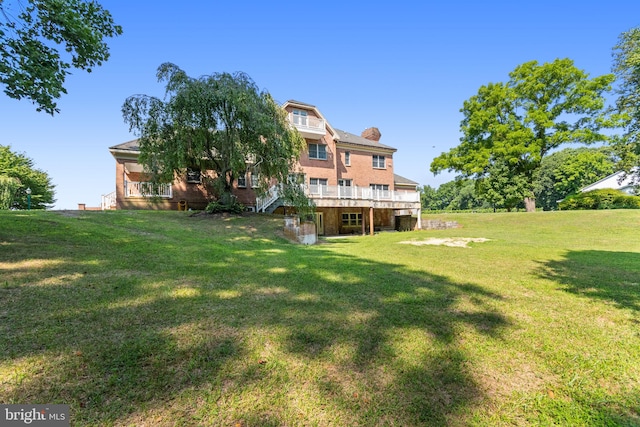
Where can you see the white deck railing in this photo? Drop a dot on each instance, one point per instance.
(108, 201)
(341, 192)
(359, 193)
(264, 202)
(145, 189)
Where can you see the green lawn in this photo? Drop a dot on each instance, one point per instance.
(161, 318)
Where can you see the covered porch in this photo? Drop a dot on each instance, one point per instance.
(355, 210)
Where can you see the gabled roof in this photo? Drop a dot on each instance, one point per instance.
(349, 138)
(339, 135)
(126, 146)
(400, 180)
(304, 105)
(615, 181)
(129, 150)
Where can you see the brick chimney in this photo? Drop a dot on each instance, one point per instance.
(372, 134)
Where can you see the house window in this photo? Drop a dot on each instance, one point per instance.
(318, 151)
(295, 178)
(242, 180)
(351, 219)
(378, 162)
(347, 158)
(300, 117)
(317, 185)
(255, 180)
(194, 176)
(379, 187)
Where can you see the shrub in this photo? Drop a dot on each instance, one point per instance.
(600, 199)
(233, 207)
(628, 202)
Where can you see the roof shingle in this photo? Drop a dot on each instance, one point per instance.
(358, 140)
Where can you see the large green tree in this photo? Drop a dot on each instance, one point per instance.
(626, 66)
(502, 186)
(428, 198)
(18, 173)
(465, 195)
(221, 123)
(41, 40)
(508, 128)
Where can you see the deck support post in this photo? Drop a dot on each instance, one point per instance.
(371, 221)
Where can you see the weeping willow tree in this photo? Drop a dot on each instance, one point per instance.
(220, 123)
(8, 189)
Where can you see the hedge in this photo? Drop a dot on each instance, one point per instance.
(600, 199)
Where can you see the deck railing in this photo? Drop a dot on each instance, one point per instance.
(359, 193)
(262, 203)
(341, 192)
(146, 189)
(108, 201)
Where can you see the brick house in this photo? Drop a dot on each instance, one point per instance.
(350, 178)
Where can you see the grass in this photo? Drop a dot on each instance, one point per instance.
(161, 318)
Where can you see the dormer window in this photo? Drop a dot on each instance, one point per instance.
(300, 117)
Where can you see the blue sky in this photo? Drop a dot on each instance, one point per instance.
(405, 67)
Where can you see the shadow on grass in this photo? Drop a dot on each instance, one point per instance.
(609, 276)
(614, 278)
(119, 328)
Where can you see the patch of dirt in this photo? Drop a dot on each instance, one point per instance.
(454, 242)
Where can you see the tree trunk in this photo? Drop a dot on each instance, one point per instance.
(530, 204)
(227, 190)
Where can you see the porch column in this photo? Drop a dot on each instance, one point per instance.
(371, 221)
(364, 230)
(419, 218)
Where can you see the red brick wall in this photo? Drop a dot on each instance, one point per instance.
(361, 171)
(119, 184)
(325, 169)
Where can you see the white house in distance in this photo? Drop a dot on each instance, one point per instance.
(617, 181)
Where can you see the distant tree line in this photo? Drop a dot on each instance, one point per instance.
(560, 175)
